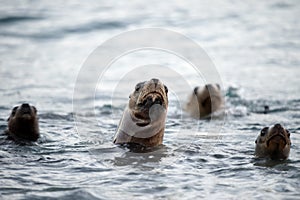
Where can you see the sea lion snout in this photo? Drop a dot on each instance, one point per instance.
(149, 93)
(25, 108)
(277, 136)
(210, 87)
(151, 100)
(25, 105)
(278, 126)
(25, 111)
(273, 142)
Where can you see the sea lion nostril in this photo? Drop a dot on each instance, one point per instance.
(155, 80)
(25, 105)
(277, 126)
(195, 90)
(158, 101)
(209, 86)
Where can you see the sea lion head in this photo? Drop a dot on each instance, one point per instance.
(273, 142)
(143, 120)
(23, 123)
(204, 100)
(145, 95)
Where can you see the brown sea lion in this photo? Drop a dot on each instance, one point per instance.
(273, 143)
(143, 120)
(204, 101)
(23, 123)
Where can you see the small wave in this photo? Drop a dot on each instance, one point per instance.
(108, 109)
(281, 5)
(61, 32)
(94, 26)
(62, 193)
(15, 19)
(68, 117)
(239, 106)
(232, 92)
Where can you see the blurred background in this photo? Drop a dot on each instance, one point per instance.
(255, 47)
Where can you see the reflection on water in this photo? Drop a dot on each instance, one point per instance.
(254, 46)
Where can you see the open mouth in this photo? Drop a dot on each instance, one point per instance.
(150, 99)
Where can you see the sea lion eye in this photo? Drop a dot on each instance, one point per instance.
(34, 109)
(288, 133)
(14, 110)
(264, 131)
(138, 86)
(166, 89)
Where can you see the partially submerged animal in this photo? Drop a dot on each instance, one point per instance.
(204, 101)
(274, 143)
(143, 120)
(23, 123)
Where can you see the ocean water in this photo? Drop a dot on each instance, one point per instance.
(254, 47)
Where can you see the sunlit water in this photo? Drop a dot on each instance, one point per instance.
(254, 46)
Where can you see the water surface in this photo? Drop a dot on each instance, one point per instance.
(254, 46)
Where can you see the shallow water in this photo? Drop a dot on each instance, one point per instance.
(255, 48)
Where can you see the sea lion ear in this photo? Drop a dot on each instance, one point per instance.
(218, 86)
(195, 90)
(8, 119)
(288, 133)
(35, 110)
(13, 112)
(166, 89)
(255, 141)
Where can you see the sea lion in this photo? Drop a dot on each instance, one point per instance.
(143, 120)
(23, 123)
(273, 143)
(204, 101)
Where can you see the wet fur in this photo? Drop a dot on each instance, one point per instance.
(204, 101)
(273, 143)
(23, 127)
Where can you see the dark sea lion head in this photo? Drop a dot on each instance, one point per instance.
(147, 94)
(273, 142)
(23, 122)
